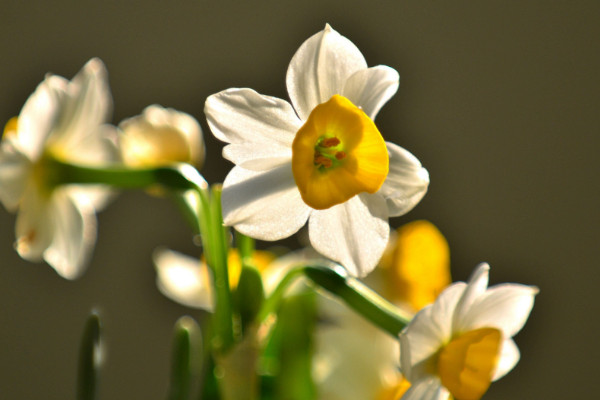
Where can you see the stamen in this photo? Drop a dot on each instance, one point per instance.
(329, 142)
(323, 161)
(340, 155)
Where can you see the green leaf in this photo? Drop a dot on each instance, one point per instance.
(248, 296)
(90, 355)
(286, 362)
(186, 358)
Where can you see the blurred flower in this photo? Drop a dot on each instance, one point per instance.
(60, 121)
(460, 344)
(188, 280)
(161, 136)
(322, 160)
(355, 359)
(417, 265)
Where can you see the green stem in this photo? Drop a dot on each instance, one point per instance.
(271, 304)
(245, 245)
(351, 291)
(359, 297)
(218, 252)
(177, 176)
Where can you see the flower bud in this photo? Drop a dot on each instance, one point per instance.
(161, 136)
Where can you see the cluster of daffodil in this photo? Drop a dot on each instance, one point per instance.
(395, 326)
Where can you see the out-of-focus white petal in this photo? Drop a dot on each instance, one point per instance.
(15, 168)
(245, 116)
(183, 279)
(353, 359)
(73, 237)
(161, 136)
(509, 357)
(40, 115)
(406, 183)
(427, 389)
(35, 224)
(371, 88)
(320, 68)
(505, 307)
(257, 156)
(476, 286)
(263, 205)
(86, 108)
(354, 233)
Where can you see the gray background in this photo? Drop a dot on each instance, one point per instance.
(498, 99)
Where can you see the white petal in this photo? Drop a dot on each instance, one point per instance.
(14, 175)
(354, 233)
(257, 156)
(427, 389)
(40, 115)
(427, 332)
(371, 88)
(99, 148)
(245, 116)
(35, 223)
(406, 183)
(320, 68)
(74, 236)
(476, 287)
(509, 357)
(505, 307)
(263, 205)
(183, 279)
(86, 108)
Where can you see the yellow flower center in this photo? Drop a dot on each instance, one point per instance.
(466, 365)
(337, 154)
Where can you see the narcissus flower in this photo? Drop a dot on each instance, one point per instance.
(61, 121)
(355, 359)
(161, 136)
(461, 343)
(320, 158)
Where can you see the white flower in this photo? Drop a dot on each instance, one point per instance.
(161, 136)
(61, 121)
(461, 343)
(322, 159)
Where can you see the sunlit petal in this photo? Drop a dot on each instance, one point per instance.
(340, 231)
(371, 88)
(320, 68)
(509, 357)
(264, 205)
(245, 116)
(505, 307)
(406, 183)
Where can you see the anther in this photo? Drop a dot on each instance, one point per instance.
(322, 161)
(329, 142)
(340, 155)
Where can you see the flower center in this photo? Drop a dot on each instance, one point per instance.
(466, 365)
(337, 154)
